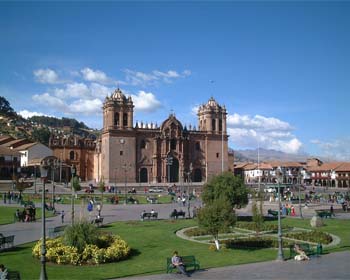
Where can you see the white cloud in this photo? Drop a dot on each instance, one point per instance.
(194, 110)
(86, 107)
(146, 102)
(266, 132)
(338, 149)
(95, 76)
(138, 78)
(27, 114)
(73, 90)
(50, 101)
(46, 76)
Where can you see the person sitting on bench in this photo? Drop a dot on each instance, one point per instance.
(301, 254)
(177, 262)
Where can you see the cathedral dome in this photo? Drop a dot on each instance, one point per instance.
(118, 95)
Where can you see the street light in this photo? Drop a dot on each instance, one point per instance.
(300, 212)
(280, 246)
(189, 181)
(44, 166)
(73, 170)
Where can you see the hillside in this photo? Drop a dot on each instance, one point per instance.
(38, 128)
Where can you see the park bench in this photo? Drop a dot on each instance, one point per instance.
(6, 241)
(56, 231)
(13, 275)
(306, 247)
(27, 203)
(188, 261)
(149, 215)
(176, 214)
(152, 200)
(97, 221)
(324, 214)
(272, 212)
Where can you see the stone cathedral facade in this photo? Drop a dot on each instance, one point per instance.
(167, 153)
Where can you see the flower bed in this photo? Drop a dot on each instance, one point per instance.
(254, 243)
(111, 249)
(311, 236)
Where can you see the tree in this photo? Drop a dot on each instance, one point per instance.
(41, 135)
(220, 196)
(228, 187)
(5, 107)
(75, 184)
(257, 212)
(218, 216)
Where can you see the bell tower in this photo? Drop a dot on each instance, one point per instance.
(212, 117)
(118, 111)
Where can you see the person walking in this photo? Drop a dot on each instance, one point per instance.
(62, 216)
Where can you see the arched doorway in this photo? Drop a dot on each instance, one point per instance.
(174, 171)
(143, 175)
(197, 175)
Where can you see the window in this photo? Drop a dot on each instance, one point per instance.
(217, 155)
(213, 124)
(121, 153)
(125, 119)
(220, 125)
(143, 144)
(173, 144)
(198, 146)
(2, 159)
(71, 155)
(116, 118)
(15, 159)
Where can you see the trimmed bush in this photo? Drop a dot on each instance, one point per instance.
(254, 243)
(311, 236)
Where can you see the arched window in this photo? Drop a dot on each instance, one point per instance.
(116, 118)
(125, 119)
(220, 125)
(198, 146)
(71, 155)
(143, 144)
(213, 126)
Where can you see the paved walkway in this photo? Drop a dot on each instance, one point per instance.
(332, 266)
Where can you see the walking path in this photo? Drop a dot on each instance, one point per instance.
(332, 266)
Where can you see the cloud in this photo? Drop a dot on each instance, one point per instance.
(138, 78)
(50, 101)
(46, 76)
(338, 149)
(86, 107)
(27, 114)
(146, 102)
(266, 132)
(94, 76)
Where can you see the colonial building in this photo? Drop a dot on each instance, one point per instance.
(170, 152)
(73, 150)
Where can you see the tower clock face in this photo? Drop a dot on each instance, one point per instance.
(122, 141)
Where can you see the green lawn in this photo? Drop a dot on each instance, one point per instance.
(152, 242)
(7, 213)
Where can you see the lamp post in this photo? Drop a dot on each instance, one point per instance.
(300, 212)
(43, 173)
(280, 246)
(189, 179)
(125, 180)
(73, 170)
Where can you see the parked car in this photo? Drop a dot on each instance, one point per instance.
(155, 190)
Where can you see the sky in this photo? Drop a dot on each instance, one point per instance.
(281, 68)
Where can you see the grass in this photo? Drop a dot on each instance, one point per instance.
(7, 213)
(152, 242)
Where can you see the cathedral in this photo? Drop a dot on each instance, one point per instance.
(169, 153)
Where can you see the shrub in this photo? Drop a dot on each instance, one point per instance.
(58, 252)
(254, 243)
(265, 227)
(311, 236)
(80, 234)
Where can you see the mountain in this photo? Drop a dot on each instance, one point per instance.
(267, 155)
